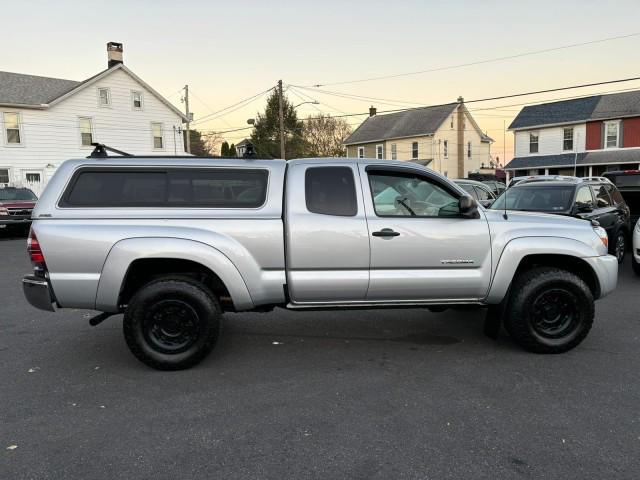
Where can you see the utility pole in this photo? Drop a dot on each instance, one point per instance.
(186, 107)
(281, 115)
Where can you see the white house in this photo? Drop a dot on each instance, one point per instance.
(446, 138)
(48, 120)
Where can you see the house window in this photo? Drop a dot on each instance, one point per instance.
(469, 150)
(360, 152)
(379, 152)
(86, 131)
(394, 151)
(12, 128)
(533, 142)
(414, 151)
(446, 148)
(451, 121)
(4, 175)
(158, 141)
(611, 132)
(567, 139)
(104, 97)
(136, 98)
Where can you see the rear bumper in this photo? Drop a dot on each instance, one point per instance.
(14, 220)
(606, 269)
(38, 292)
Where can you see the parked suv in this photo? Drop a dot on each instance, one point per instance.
(16, 205)
(591, 199)
(635, 258)
(174, 243)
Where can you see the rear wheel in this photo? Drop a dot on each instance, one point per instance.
(551, 310)
(172, 323)
(619, 246)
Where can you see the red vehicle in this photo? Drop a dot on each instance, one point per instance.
(16, 205)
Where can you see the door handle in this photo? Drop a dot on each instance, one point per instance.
(385, 232)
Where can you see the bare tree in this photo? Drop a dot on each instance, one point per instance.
(324, 136)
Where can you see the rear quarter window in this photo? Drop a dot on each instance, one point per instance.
(170, 188)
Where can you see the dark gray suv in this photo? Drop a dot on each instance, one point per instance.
(589, 198)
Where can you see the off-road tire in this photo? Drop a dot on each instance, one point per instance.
(526, 314)
(172, 323)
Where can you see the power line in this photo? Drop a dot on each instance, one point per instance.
(479, 62)
(239, 104)
(501, 97)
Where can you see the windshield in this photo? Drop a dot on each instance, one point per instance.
(536, 198)
(17, 194)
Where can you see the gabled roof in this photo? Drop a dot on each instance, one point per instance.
(597, 107)
(30, 91)
(21, 89)
(243, 142)
(410, 123)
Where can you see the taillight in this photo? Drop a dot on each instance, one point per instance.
(35, 253)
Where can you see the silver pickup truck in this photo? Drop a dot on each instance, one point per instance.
(174, 242)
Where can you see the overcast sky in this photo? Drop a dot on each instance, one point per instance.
(227, 51)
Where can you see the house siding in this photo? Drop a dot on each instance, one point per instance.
(550, 140)
(594, 135)
(631, 132)
(52, 135)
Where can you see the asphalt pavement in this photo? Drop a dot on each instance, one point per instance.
(388, 394)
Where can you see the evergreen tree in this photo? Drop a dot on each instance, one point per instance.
(224, 150)
(266, 133)
(232, 151)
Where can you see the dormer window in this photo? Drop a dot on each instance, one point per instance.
(104, 97)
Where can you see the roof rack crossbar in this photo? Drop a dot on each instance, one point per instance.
(100, 151)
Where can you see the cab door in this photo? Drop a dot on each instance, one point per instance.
(422, 249)
(326, 236)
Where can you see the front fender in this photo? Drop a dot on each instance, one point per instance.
(518, 248)
(124, 252)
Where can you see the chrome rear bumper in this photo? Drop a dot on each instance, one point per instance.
(37, 292)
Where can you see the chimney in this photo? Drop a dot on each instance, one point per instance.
(114, 53)
(372, 111)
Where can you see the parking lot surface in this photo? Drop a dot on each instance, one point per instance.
(387, 394)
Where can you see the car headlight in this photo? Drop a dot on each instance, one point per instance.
(602, 233)
(638, 226)
(4, 211)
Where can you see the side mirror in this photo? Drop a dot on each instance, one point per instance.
(468, 207)
(584, 208)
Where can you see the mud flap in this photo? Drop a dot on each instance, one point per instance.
(495, 315)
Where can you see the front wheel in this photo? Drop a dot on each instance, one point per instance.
(172, 323)
(551, 310)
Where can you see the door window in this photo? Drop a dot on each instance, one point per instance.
(482, 194)
(331, 191)
(469, 189)
(602, 197)
(407, 194)
(584, 198)
(615, 194)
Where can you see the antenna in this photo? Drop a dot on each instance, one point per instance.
(504, 215)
